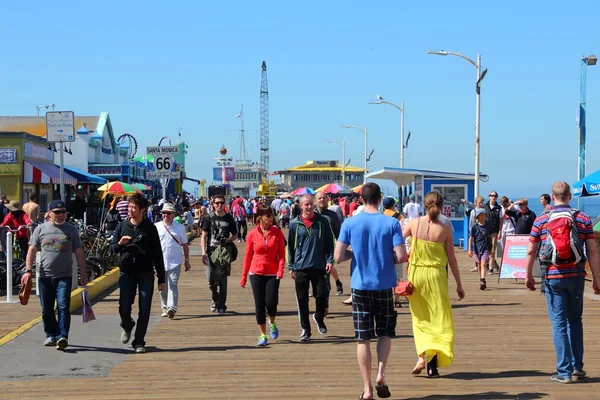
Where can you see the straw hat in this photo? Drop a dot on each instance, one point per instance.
(14, 205)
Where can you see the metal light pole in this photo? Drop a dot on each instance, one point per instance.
(366, 133)
(585, 61)
(480, 76)
(380, 100)
(343, 144)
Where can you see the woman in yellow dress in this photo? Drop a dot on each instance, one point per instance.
(432, 249)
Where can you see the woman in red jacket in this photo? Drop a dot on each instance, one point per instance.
(265, 261)
(14, 219)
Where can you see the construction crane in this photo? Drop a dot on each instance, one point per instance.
(264, 122)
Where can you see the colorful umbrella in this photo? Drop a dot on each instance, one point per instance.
(142, 187)
(358, 189)
(303, 190)
(118, 188)
(285, 195)
(333, 188)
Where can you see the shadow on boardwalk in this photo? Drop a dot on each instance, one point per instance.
(484, 395)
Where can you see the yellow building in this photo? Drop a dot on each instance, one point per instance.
(317, 173)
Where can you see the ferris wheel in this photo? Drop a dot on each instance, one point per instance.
(130, 141)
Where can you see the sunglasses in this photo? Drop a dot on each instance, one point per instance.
(219, 202)
(493, 195)
(167, 213)
(59, 212)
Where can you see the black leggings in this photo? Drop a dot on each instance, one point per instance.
(266, 296)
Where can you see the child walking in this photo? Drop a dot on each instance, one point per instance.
(480, 244)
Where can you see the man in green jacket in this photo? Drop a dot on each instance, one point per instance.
(310, 259)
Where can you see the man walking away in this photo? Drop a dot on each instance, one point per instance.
(310, 258)
(492, 215)
(31, 208)
(377, 244)
(136, 240)
(56, 239)
(412, 209)
(173, 239)
(563, 233)
(218, 229)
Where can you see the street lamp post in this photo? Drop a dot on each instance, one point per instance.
(343, 144)
(585, 61)
(366, 133)
(380, 100)
(480, 76)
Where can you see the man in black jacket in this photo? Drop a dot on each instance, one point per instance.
(137, 240)
(334, 221)
(310, 258)
(492, 215)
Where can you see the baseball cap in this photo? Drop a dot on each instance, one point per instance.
(168, 207)
(479, 211)
(388, 202)
(54, 204)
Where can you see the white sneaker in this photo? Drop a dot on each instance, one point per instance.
(474, 269)
(164, 314)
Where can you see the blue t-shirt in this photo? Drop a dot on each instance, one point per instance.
(373, 237)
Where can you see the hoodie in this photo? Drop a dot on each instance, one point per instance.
(310, 248)
(145, 236)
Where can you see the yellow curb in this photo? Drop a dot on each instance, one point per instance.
(95, 288)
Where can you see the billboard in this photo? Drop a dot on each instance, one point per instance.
(218, 174)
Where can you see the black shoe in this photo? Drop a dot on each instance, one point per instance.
(482, 284)
(305, 336)
(340, 289)
(320, 325)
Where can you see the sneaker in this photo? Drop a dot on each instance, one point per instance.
(491, 271)
(305, 336)
(221, 311)
(171, 313)
(273, 330)
(482, 284)
(579, 373)
(474, 269)
(320, 325)
(263, 340)
(340, 289)
(51, 341)
(139, 349)
(561, 379)
(125, 336)
(213, 307)
(164, 314)
(62, 344)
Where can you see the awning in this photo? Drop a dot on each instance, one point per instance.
(41, 172)
(85, 177)
(404, 176)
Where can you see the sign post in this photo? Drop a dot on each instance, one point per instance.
(163, 165)
(60, 127)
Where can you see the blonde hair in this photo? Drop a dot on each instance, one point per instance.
(523, 201)
(561, 191)
(478, 198)
(433, 205)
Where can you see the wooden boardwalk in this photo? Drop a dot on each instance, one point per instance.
(503, 350)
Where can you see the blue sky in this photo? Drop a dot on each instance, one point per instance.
(156, 67)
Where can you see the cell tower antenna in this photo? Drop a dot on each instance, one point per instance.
(243, 154)
(264, 120)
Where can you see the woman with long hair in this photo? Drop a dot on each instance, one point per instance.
(432, 248)
(265, 262)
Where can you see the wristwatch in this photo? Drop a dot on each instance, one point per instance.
(28, 271)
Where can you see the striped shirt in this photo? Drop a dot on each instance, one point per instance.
(122, 207)
(539, 233)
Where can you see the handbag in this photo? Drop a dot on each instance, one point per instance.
(406, 288)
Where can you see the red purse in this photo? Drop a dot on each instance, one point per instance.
(404, 288)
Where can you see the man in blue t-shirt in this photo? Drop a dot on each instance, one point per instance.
(377, 245)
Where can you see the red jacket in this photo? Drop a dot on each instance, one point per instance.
(14, 223)
(264, 258)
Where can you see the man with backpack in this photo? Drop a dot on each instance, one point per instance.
(218, 233)
(562, 234)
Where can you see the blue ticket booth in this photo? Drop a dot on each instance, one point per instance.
(456, 189)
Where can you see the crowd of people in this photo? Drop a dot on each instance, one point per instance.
(311, 235)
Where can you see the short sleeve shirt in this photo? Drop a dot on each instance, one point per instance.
(218, 228)
(57, 243)
(172, 251)
(481, 238)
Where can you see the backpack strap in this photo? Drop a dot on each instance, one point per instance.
(396, 215)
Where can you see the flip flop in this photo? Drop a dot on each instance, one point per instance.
(362, 398)
(383, 391)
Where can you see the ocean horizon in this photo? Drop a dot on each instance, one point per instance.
(589, 205)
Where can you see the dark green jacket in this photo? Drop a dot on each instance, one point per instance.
(310, 248)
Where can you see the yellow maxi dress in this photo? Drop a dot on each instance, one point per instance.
(433, 326)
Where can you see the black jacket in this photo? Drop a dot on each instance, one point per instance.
(492, 215)
(310, 248)
(145, 236)
(334, 220)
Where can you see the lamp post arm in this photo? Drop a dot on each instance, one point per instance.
(463, 57)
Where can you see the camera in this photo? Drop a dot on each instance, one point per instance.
(223, 241)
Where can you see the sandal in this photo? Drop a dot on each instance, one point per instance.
(419, 367)
(397, 304)
(383, 391)
(362, 397)
(432, 370)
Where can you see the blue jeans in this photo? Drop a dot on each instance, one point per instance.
(128, 286)
(59, 290)
(565, 307)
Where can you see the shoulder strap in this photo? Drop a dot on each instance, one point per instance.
(396, 215)
(170, 233)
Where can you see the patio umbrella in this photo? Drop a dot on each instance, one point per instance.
(119, 188)
(333, 188)
(358, 189)
(588, 186)
(303, 190)
(285, 195)
(142, 187)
